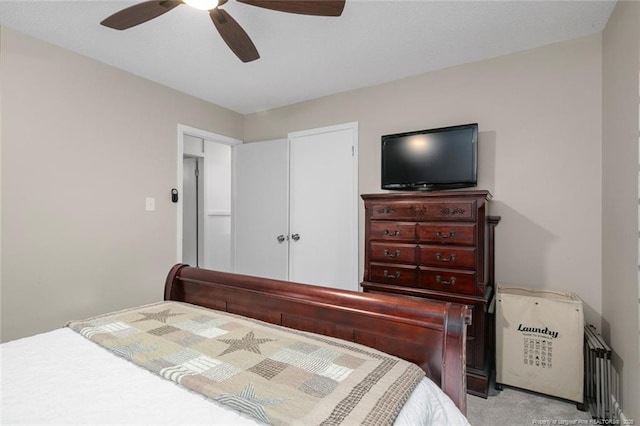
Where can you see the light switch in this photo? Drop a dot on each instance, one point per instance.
(150, 204)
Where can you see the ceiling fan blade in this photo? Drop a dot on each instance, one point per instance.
(303, 7)
(139, 13)
(233, 34)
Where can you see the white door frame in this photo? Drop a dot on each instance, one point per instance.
(198, 133)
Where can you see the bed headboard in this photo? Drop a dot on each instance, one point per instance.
(431, 334)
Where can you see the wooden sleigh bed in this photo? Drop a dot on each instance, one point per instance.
(431, 334)
(66, 375)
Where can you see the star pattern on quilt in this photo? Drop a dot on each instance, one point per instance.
(161, 316)
(247, 402)
(248, 343)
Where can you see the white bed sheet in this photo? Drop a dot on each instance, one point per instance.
(51, 378)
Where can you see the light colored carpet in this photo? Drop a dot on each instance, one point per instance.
(515, 407)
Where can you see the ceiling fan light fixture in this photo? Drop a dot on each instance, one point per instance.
(231, 32)
(202, 4)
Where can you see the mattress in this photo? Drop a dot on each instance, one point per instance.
(50, 378)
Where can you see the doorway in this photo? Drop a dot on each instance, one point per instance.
(204, 199)
(193, 214)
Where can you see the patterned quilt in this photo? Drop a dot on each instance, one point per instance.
(274, 374)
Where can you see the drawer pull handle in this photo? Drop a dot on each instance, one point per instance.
(387, 253)
(395, 276)
(450, 235)
(451, 258)
(451, 281)
(392, 233)
(386, 210)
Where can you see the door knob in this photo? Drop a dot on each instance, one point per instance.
(281, 238)
(295, 237)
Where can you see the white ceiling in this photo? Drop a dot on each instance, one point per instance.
(304, 57)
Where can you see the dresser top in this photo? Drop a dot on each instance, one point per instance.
(427, 195)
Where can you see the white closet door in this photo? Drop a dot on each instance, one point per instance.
(261, 208)
(323, 207)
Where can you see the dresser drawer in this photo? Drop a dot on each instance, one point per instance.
(405, 275)
(447, 233)
(448, 256)
(393, 252)
(425, 210)
(448, 280)
(392, 231)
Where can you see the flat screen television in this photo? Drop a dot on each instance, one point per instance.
(431, 160)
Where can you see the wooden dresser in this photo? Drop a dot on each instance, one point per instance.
(437, 245)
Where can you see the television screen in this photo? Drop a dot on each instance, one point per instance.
(433, 159)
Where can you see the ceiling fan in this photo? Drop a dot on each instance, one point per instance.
(231, 32)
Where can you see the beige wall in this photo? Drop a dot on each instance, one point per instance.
(621, 74)
(539, 115)
(83, 144)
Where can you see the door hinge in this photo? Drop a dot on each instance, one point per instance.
(353, 151)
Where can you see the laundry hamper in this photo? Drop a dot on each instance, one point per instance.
(539, 341)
